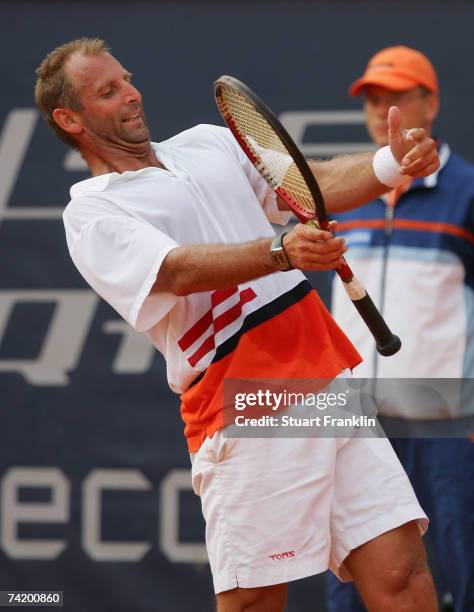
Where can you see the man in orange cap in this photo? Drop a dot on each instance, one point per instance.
(413, 249)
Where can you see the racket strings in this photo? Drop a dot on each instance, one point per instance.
(272, 158)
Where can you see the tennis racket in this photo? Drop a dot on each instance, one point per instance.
(272, 151)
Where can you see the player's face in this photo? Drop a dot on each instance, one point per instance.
(112, 107)
(418, 109)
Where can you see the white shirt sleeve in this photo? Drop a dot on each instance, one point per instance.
(120, 258)
(265, 194)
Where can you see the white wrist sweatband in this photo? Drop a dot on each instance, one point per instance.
(387, 169)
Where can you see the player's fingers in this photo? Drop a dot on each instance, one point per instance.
(315, 234)
(315, 222)
(425, 148)
(308, 255)
(334, 245)
(396, 136)
(426, 171)
(322, 258)
(317, 265)
(414, 135)
(421, 165)
(303, 230)
(394, 119)
(314, 225)
(303, 250)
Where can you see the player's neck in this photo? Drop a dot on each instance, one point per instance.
(120, 160)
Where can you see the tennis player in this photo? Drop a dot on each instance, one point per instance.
(176, 236)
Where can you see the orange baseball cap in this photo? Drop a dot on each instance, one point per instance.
(397, 68)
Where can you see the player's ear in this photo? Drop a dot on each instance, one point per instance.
(68, 120)
(432, 107)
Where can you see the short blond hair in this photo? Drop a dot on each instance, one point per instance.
(54, 89)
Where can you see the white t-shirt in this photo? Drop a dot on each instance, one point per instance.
(120, 227)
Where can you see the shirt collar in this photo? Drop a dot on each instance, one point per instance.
(96, 183)
(101, 182)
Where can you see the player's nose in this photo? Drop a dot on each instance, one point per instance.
(132, 94)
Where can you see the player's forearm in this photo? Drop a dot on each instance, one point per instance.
(207, 267)
(347, 181)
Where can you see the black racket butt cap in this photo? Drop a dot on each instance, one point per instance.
(391, 347)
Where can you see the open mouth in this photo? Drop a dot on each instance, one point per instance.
(131, 118)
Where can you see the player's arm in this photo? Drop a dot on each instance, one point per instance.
(207, 267)
(349, 181)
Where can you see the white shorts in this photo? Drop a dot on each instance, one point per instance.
(280, 509)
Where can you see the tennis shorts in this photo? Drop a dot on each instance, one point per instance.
(280, 509)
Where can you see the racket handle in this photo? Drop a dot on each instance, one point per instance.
(387, 343)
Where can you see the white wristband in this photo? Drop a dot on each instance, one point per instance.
(387, 169)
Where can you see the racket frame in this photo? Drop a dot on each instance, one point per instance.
(304, 216)
(387, 343)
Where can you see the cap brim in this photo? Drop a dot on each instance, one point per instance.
(389, 81)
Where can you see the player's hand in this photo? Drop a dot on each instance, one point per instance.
(309, 248)
(414, 150)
